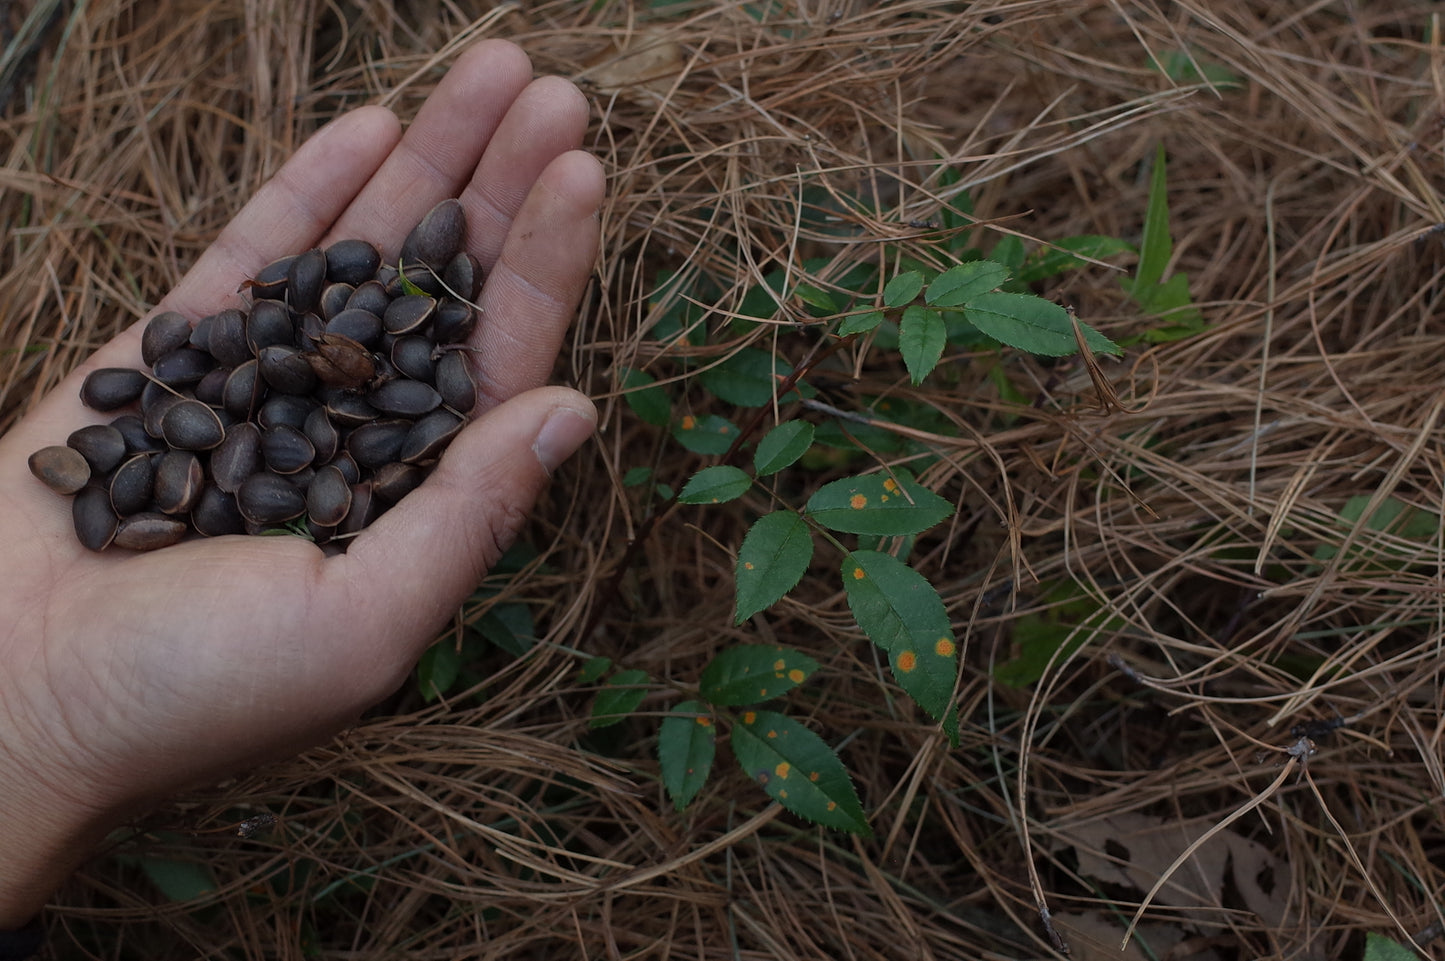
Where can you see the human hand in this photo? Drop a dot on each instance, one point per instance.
(128, 676)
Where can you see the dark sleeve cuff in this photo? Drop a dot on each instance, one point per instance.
(22, 944)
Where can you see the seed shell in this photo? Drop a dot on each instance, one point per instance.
(191, 425)
(63, 469)
(269, 499)
(102, 446)
(149, 531)
(163, 333)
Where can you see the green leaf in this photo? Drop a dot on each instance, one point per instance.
(921, 336)
(619, 698)
(407, 287)
(686, 744)
(637, 476)
(711, 435)
(594, 668)
(1156, 246)
(774, 554)
(781, 446)
(816, 298)
(1033, 324)
(960, 284)
(902, 289)
(747, 378)
(749, 673)
(1038, 639)
(510, 628)
(648, 402)
(1069, 253)
(438, 669)
(877, 504)
(797, 769)
(1380, 948)
(901, 612)
(1009, 251)
(179, 881)
(715, 485)
(860, 323)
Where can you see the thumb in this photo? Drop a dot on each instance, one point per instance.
(402, 578)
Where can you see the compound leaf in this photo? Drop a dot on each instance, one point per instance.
(877, 504)
(774, 554)
(750, 673)
(686, 744)
(797, 769)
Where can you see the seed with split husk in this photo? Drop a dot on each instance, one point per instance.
(324, 436)
(463, 276)
(191, 425)
(269, 499)
(438, 237)
(412, 356)
(362, 326)
(285, 369)
(149, 531)
(102, 446)
(404, 398)
(163, 333)
(377, 442)
(348, 409)
(95, 522)
(211, 389)
(428, 437)
(370, 296)
(408, 313)
(364, 509)
(179, 482)
(238, 457)
(286, 450)
(395, 480)
(244, 390)
(456, 382)
(63, 469)
(416, 279)
(110, 388)
(288, 409)
(200, 337)
(227, 340)
(270, 282)
(453, 322)
(182, 367)
(133, 484)
(133, 429)
(339, 361)
(345, 463)
(329, 497)
(216, 514)
(334, 298)
(304, 280)
(352, 261)
(269, 325)
(153, 408)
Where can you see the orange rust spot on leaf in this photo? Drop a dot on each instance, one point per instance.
(812, 775)
(890, 485)
(857, 502)
(832, 805)
(858, 574)
(780, 664)
(783, 769)
(907, 661)
(705, 721)
(796, 676)
(749, 717)
(943, 647)
(689, 422)
(748, 565)
(773, 733)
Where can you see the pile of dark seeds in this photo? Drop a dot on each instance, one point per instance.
(314, 410)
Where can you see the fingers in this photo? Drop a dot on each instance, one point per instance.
(407, 573)
(532, 292)
(442, 147)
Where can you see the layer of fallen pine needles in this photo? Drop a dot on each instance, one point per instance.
(1205, 513)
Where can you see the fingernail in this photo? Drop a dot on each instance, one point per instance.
(565, 430)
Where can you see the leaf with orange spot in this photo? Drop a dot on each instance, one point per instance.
(774, 554)
(877, 504)
(710, 435)
(686, 744)
(775, 750)
(715, 485)
(750, 673)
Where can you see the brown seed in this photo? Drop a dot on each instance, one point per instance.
(404, 398)
(364, 509)
(102, 446)
(149, 531)
(112, 387)
(329, 497)
(463, 276)
(429, 436)
(132, 485)
(304, 280)
(339, 361)
(244, 389)
(362, 326)
(286, 370)
(438, 237)
(324, 436)
(95, 522)
(191, 425)
(238, 457)
(345, 463)
(182, 367)
(285, 409)
(133, 429)
(227, 341)
(453, 323)
(216, 514)
(348, 409)
(419, 277)
(286, 450)
(211, 389)
(377, 442)
(408, 313)
(351, 261)
(308, 328)
(394, 481)
(200, 337)
(179, 482)
(155, 400)
(269, 499)
(370, 296)
(270, 282)
(163, 333)
(412, 356)
(269, 325)
(62, 469)
(456, 382)
(334, 298)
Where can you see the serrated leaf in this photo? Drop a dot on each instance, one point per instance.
(510, 628)
(1380, 948)
(860, 323)
(749, 673)
(711, 435)
(747, 378)
(1156, 245)
(438, 668)
(921, 336)
(781, 446)
(797, 769)
(959, 284)
(1033, 324)
(816, 297)
(901, 612)
(1069, 253)
(686, 744)
(594, 668)
(877, 504)
(774, 554)
(648, 402)
(715, 485)
(1009, 251)
(619, 698)
(637, 476)
(902, 289)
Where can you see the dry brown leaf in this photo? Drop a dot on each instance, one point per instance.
(1096, 937)
(646, 59)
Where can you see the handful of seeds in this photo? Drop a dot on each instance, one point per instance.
(311, 412)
